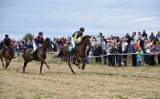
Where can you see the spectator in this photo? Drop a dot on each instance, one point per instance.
(119, 51)
(152, 37)
(133, 39)
(18, 48)
(157, 48)
(158, 36)
(139, 54)
(125, 51)
(152, 54)
(87, 55)
(132, 51)
(104, 47)
(112, 52)
(98, 53)
(140, 43)
(144, 34)
(109, 55)
(139, 34)
(147, 51)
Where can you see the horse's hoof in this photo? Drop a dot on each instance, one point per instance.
(73, 73)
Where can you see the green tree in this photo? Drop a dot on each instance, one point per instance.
(28, 36)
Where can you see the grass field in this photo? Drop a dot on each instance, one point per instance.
(95, 82)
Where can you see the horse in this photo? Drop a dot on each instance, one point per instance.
(8, 55)
(79, 53)
(38, 55)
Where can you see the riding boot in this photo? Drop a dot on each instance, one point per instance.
(31, 54)
(4, 53)
(73, 50)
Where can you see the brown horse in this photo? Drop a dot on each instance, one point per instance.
(38, 55)
(79, 53)
(8, 55)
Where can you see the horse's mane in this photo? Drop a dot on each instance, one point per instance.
(46, 41)
(86, 36)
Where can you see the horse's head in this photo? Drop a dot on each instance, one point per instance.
(11, 46)
(47, 42)
(86, 40)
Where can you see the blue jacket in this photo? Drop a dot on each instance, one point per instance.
(7, 42)
(38, 41)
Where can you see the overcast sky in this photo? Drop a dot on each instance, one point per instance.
(57, 18)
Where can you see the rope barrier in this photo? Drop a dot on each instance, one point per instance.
(123, 54)
(102, 55)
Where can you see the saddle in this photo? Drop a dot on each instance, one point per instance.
(71, 49)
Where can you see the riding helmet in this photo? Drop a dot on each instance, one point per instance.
(40, 33)
(82, 29)
(6, 35)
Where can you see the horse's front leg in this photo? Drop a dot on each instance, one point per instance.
(84, 65)
(2, 61)
(25, 64)
(41, 67)
(69, 64)
(83, 61)
(74, 62)
(7, 64)
(42, 60)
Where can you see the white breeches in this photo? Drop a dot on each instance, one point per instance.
(34, 46)
(73, 42)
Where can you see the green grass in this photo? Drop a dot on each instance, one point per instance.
(95, 82)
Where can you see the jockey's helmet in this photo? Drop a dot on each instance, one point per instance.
(6, 35)
(82, 29)
(40, 33)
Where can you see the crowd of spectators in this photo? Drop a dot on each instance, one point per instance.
(114, 50)
(143, 48)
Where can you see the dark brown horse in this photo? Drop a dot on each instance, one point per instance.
(8, 55)
(38, 55)
(79, 53)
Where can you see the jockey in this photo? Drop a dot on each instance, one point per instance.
(6, 43)
(76, 36)
(37, 42)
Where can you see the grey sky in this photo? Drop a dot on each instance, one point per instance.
(57, 18)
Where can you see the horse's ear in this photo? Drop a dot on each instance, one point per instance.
(47, 39)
